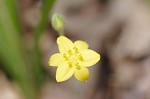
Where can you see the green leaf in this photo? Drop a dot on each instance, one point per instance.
(12, 50)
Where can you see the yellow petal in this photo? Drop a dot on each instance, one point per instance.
(64, 72)
(82, 74)
(90, 58)
(81, 45)
(64, 44)
(55, 59)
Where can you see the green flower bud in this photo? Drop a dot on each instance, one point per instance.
(58, 23)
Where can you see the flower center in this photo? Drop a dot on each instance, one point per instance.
(73, 57)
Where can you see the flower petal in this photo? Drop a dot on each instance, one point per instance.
(90, 58)
(81, 45)
(82, 74)
(55, 59)
(64, 72)
(64, 44)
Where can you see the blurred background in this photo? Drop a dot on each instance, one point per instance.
(117, 29)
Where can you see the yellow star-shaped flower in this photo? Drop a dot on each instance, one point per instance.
(73, 59)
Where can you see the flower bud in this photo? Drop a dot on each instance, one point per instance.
(58, 23)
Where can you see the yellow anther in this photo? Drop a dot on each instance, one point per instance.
(80, 57)
(75, 49)
(65, 56)
(77, 66)
(70, 64)
(70, 52)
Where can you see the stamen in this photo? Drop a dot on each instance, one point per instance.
(73, 57)
(65, 56)
(77, 66)
(70, 52)
(75, 49)
(80, 57)
(69, 63)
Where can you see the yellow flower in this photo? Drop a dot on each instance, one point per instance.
(73, 59)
